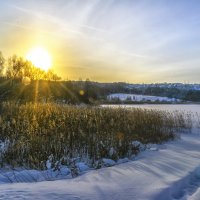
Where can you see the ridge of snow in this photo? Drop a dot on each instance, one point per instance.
(171, 172)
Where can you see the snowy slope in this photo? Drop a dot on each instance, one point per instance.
(172, 172)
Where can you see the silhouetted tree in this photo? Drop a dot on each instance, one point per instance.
(15, 67)
(18, 68)
(2, 64)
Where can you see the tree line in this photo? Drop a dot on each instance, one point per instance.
(15, 71)
(16, 67)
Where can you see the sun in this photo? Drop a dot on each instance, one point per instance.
(40, 58)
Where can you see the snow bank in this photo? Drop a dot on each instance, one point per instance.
(82, 166)
(24, 175)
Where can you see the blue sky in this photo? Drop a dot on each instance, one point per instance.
(108, 40)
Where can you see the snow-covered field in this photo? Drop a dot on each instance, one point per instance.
(165, 172)
(171, 172)
(140, 98)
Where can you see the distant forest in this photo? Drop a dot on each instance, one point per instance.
(75, 92)
(21, 81)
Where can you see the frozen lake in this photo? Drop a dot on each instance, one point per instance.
(194, 108)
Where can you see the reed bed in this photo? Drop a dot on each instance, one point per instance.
(31, 133)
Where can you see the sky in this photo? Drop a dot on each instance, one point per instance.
(135, 41)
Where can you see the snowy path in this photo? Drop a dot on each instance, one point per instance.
(172, 172)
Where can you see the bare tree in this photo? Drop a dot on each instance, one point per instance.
(20, 68)
(15, 67)
(2, 64)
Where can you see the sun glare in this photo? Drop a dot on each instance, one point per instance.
(40, 58)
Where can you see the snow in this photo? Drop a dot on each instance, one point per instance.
(111, 152)
(24, 175)
(82, 166)
(122, 160)
(180, 86)
(108, 162)
(140, 98)
(171, 172)
(193, 108)
(139, 145)
(160, 172)
(153, 149)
